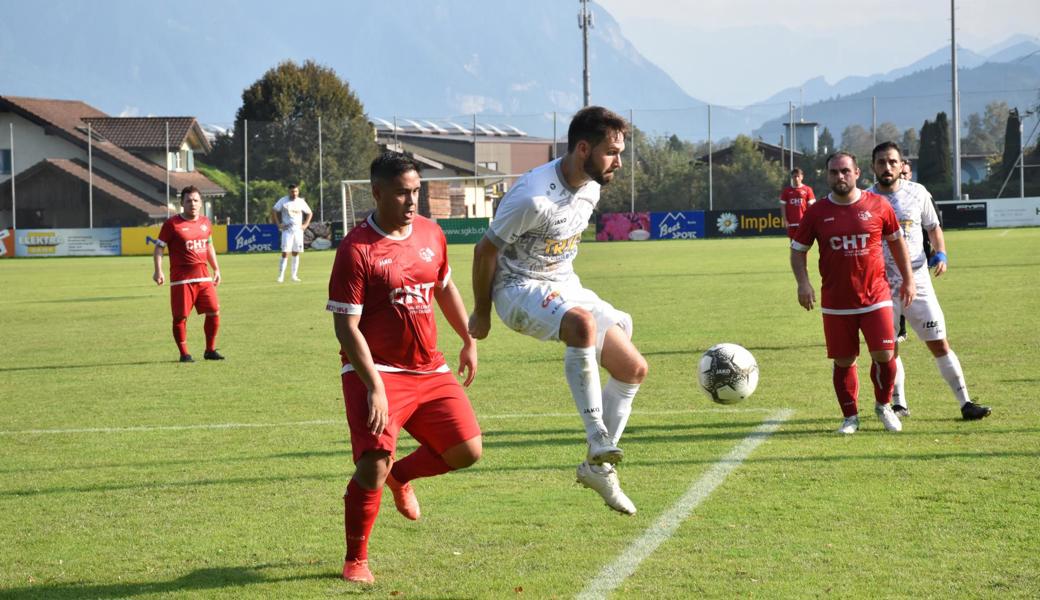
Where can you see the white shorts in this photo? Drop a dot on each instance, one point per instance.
(924, 315)
(536, 308)
(292, 240)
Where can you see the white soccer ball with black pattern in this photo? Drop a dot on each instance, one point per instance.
(728, 373)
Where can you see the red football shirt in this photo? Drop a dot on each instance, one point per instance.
(796, 201)
(390, 281)
(188, 244)
(851, 260)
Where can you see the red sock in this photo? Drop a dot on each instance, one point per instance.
(211, 326)
(360, 508)
(180, 335)
(421, 463)
(846, 387)
(884, 377)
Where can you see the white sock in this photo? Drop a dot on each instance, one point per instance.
(295, 265)
(617, 406)
(950, 369)
(898, 390)
(281, 267)
(582, 372)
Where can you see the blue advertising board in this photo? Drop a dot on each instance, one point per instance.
(253, 238)
(678, 225)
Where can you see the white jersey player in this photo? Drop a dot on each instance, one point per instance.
(524, 266)
(292, 214)
(916, 214)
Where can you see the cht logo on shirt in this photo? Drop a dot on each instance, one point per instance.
(195, 245)
(414, 297)
(849, 242)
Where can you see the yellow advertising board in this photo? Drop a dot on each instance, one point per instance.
(141, 240)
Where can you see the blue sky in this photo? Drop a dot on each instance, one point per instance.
(795, 40)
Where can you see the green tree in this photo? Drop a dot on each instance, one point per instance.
(995, 121)
(280, 111)
(825, 143)
(911, 143)
(667, 177)
(1012, 148)
(933, 165)
(858, 141)
(749, 180)
(978, 140)
(888, 132)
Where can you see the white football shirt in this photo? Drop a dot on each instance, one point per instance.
(538, 226)
(914, 208)
(292, 211)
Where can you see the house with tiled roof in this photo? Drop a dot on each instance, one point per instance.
(60, 150)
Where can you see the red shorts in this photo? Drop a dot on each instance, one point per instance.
(433, 408)
(842, 332)
(792, 231)
(202, 295)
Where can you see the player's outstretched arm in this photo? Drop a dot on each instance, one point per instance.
(211, 256)
(485, 261)
(938, 241)
(806, 294)
(157, 274)
(907, 289)
(450, 301)
(353, 343)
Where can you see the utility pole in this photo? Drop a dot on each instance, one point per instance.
(585, 23)
(956, 104)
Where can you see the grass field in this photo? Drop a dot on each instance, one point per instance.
(124, 474)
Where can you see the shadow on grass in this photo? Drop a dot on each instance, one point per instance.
(87, 366)
(88, 299)
(200, 579)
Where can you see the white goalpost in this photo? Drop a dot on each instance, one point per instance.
(444, 197)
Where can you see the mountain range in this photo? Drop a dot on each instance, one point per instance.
(509, 62)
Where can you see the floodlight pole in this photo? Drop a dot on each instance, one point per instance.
(956, 104)
(711, 197)
(14, 204)
(790, 118)
(90, 176)
(167, 169)
(585, 23)
(245, 167)
(321, 178)
(632, 159)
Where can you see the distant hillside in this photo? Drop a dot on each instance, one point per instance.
(911, 99)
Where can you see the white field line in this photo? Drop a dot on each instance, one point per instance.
(665, 526)
(156, 428)
(1004, 233)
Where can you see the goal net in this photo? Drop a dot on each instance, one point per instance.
(439, 197)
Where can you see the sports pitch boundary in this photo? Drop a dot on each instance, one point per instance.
(666, 525)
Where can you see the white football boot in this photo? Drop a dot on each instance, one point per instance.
(602, 450)
(604, 480)
(887, 417)
(849, 425)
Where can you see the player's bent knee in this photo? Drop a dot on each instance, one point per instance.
(465, 454)
(578, 328)
(372, 468)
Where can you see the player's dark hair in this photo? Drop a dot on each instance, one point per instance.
(796, 171)
(390, 165)
(189, 190)
(885, 147)
(592, 124)
(842, 153)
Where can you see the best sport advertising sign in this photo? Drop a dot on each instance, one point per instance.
(679, 225)
(102, 241)
(743, 223)
(253, 238)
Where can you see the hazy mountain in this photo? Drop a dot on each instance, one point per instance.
(911, 99)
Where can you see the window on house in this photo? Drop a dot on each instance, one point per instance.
(191, 159)
(5, 162)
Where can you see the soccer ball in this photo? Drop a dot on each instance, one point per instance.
(728, 373)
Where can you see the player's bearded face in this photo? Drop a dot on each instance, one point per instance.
(842, 175)
(605, 158)
(888, 167)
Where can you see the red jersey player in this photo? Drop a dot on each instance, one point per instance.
(795, 198)
(849, 225)
(387, 272)
(188, 236)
